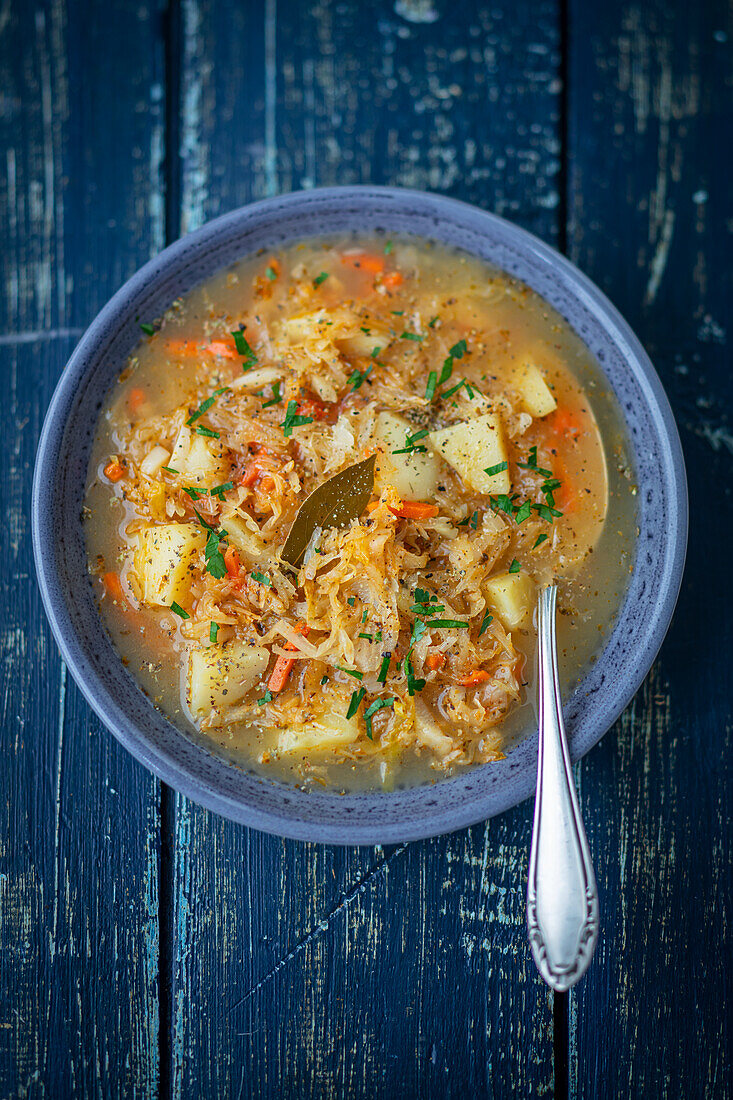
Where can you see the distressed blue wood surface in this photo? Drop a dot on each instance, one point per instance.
(649, 194)
(147, 946)
(80, 209)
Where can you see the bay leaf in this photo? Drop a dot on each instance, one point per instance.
(333, 504)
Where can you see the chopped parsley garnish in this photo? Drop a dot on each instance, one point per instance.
(169, 469)
(292, 420)
(425, 609)
(266, 698)
(367, 331)
(271, 274)
(356, 698)
(261, 578)
(203, 407)
(194, 493)
(546, 511)
(219, 490)
(179, 610)
(351, 601)
(324, 680)
(372, 709)
(514, 567)
(358, 378)
(457, 387)
(202, 521)
(243, 349)
(410, 444)
(540, 539)
(523, 512)
(431, 322)
(213, 557)
(148, 329)
(351, 672)
(447, 624)
(531, 464)
(369, 637)
(398, 312)
(213, 631)
(413, 683)
(411, 336)
(501, 503)
(383, 669)
(487, 619)
(320, 278)
(497, 469)
(276, 396)
(364, 616)
(207, 432)
(458, 350)
(388, 248)
(447, 370)
(375, 352)
(430, 388)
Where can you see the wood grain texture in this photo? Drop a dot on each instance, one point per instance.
(649, 205)
(79, 193)
(300, 970)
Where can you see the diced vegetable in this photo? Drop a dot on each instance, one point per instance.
(324, 734)
(536, 395)
(250, 546)
(471, 448)
(512, 597)
(114, 470)
(220, 676)
(428, 732)
(414, 475)
(365, 343)
(197, 458)
(414, 509)
(162, 561)
(156, 458)
(284, 665)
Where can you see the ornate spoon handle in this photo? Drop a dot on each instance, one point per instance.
(562, 899)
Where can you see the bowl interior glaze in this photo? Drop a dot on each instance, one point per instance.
(61, 473)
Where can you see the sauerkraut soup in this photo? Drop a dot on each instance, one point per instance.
(324, 493)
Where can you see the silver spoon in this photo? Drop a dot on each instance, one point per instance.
(562, 898)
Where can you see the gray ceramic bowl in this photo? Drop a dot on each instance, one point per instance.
(61, 472)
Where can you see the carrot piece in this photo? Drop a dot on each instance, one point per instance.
(392, 279)
(136, 398)
(224, 348)
(566, 496)
(563, 422)
(364, 261)
(435, 661)
(475, 677)
(372, 505)
(191, 349)
(113, 587)
(256, 468)
(231, 561)
(284, 665)
(413, 509)
(114, 470)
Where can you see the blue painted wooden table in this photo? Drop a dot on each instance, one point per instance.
(149, 947)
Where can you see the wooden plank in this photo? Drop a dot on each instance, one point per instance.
(302, 970)
(648, 200)
(79, 210)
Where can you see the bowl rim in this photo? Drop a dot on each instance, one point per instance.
(113, 715)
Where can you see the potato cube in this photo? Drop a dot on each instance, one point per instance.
(250, 546)
(512, 596)
(536, 395)
(414, 476)
(221, 675)
(163, 560)
(198, 459)
(323, 734)
(473, 447)
(364, 343)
